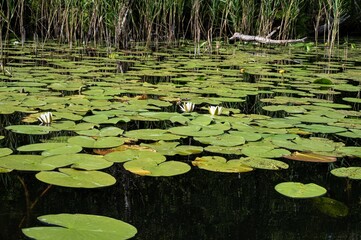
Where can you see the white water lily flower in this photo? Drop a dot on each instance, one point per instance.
(46, 118)
(215, 110)
(187, 107)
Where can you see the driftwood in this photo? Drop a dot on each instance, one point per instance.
(266, 40)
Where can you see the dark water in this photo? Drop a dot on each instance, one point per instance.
(196, 205)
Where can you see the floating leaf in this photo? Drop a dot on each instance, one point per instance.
(152, 168)
(263, 163)
(226, 140)
(24, 163)
(131, 154)
(68, 177)
(80, 227)
(220, 164)
(5, 152)
(264, 151)
(79, 161)
(104, 132)
(300, 190)
(310, 157)
(350, 172)
(30, 129)
(151, 134)
(101, 142)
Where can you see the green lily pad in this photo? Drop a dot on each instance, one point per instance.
(224, 150)
(195, 131)
(5, 152)
(80, 227)
(68, 177)
(300, 190)
(152, 168)
(24, 163)
(151, 134)
(30, 129)
(220, 164)
(101, 142)
(40, 147)
(264, 151)
(130, 155)
(263, 163)
(104, 132)
(79, 161)
(225, 140)
(349, 172)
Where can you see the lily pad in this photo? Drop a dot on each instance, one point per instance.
(79, 161)
(225, 140)
(80, 227)
(264, 151)
(349, 172)
(310, 157)
(68, 177)
(5, 152)
(101, 142)
(104, 132)
(152, 168)
(300, 190)
(30, 129)
(220, 164)
(151, 134)
(263, 163)
(130, 155)
(24, 163)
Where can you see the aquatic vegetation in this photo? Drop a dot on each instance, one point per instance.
(215, 110)
(46, 118)
(300, 190)
(187, 107)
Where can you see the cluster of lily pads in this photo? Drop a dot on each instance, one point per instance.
(155, 113)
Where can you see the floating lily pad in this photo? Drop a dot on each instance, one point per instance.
(5, 152)
(101, 142)
(310, 157)
(220, 164)
(263, 163)
(131, 154)
(300, 190)
(195, 130)
(350, 172)
(68, 177)
(151, 134)
(30, 129)
(225, 140)
(104, 132)
(224, 150)
(24, 163)
(79, 161)
(152, 168)
(264, 151)
(80, 227)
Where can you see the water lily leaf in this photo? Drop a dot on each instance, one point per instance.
(312, 118)
(186, 150)
(79, 161)
(352, 133)
(68, 116)
(40, 146)
(5, 170)
(195, 130)
(225, 140)
(286, 108)
(80, 227)
(350, 172)
(310, 157)
(248, 136)
(351, 151)
(264, 151)
(331, 207)
(67, 149)
(72, 126)
(300, 190)
(151, 134)
(307, 145)
(104, 132)
(101, 142)
(263, 163)
(24, 163)
(318, 128)
(131, 154)
(152, 168)
(165, 148)
(220, 164)
(30, 129)
(224, 150)
(160, 115)
(5, 152)
(202, 120)
(68, 177)
(179, 119)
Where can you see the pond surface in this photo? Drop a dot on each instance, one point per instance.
(285, 114)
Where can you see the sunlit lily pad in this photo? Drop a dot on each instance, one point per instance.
(224, 150)
(225, 140)
(5, 152)
(195, 130)
(264, 151)
(220, 164)
(101, 142)
(79, 161)
(151, 134)
(263, 163)
(145, 167)
(131, 154)
(30, 129)
(104, 132)
(300, 190)
(68, 177)
(24, 163)
(80, 227)
(310, 157)
(350, 172)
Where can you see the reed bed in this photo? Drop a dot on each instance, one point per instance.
(116, 23)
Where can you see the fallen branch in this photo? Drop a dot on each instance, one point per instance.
(265, 40)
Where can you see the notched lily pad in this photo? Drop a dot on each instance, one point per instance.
(263, 163)
(220, 164)
(300, 190)
(80, 227)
